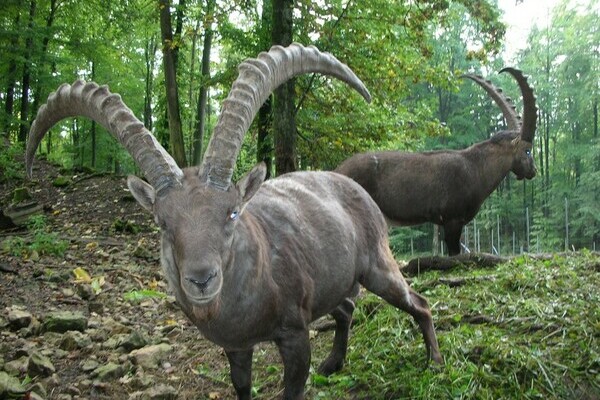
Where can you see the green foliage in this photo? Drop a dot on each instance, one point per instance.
(42, 241)
(136, 296)
(10, 168)
(538, 338)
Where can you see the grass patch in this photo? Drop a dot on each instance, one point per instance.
(136, 296)
(528, 329)
(42, 241)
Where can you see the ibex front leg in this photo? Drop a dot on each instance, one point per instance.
(294, 348)
(240, 364)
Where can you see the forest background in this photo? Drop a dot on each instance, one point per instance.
(173, 63)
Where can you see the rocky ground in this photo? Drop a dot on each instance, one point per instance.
(96, 322)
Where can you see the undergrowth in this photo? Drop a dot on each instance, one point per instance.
(528, 329)
(42, 241)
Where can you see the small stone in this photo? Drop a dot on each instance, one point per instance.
(10, 387)
(161, 392)
(85, 291)
(40, 365)
(35, 396)
(89, 365)
(17, 367)
(149, 357)
(18, 319)
(95, 307)
(136, 340)
(108, 372)
(114, 341)
(39, 389)
(73, 340)
(63, 321)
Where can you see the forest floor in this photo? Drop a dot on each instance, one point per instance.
(96, 321)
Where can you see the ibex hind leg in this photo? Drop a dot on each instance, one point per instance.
(452, 232)
(387, 281)
(343, 319)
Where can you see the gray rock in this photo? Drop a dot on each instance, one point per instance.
(73, 340)
(95, 307)
(40, 365)
(109, 372)
(10, 387)
(18, 366)
(89, 365)
(18, 318)
(39, 389)
(150, 357)
(136, 340)
(35, 396)
(114, 341)
(160, 392)
(63, 321)
(85, 291)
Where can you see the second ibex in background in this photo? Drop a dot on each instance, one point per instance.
(447, 187)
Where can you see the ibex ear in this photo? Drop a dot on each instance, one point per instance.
(249, 184)
(141, 191)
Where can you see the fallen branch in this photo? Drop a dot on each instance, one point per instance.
(440, 263)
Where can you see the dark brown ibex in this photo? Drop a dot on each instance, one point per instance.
(447, 187)
(255, 261)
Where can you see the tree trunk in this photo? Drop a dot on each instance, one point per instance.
(38, 92)
(11, 77)
(149, 55)
(24, 127)
(284, 121)
(201, 114)
(264, 141)
(169, 63)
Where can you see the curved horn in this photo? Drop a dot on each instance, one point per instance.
(505, 103)
(107, 109)
(529, 107)
(258, 77)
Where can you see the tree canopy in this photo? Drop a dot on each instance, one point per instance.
(173, 62)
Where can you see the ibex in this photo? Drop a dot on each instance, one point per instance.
(447, 187)
(255, 261)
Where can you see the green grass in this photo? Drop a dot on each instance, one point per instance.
(42, 241)
(539, 338)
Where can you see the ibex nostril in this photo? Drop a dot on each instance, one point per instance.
(202, 282)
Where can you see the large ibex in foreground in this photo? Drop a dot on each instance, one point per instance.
(447, 187)
(255, 261)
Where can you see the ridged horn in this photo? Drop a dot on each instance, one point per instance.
(504, 102)
(257, 78)
(529, 108)
(107, 109)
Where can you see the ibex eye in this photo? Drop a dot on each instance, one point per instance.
(234, 215)
(528, 152)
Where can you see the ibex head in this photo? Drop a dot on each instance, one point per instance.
(197, 209)
(520, 131)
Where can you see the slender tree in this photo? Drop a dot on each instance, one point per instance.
(284, 120)
(169, 48)
(26, 82)
(201, 114)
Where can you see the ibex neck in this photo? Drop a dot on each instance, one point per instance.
(491, 163)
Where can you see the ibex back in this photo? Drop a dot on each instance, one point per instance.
(254, 261)
(447, 187)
